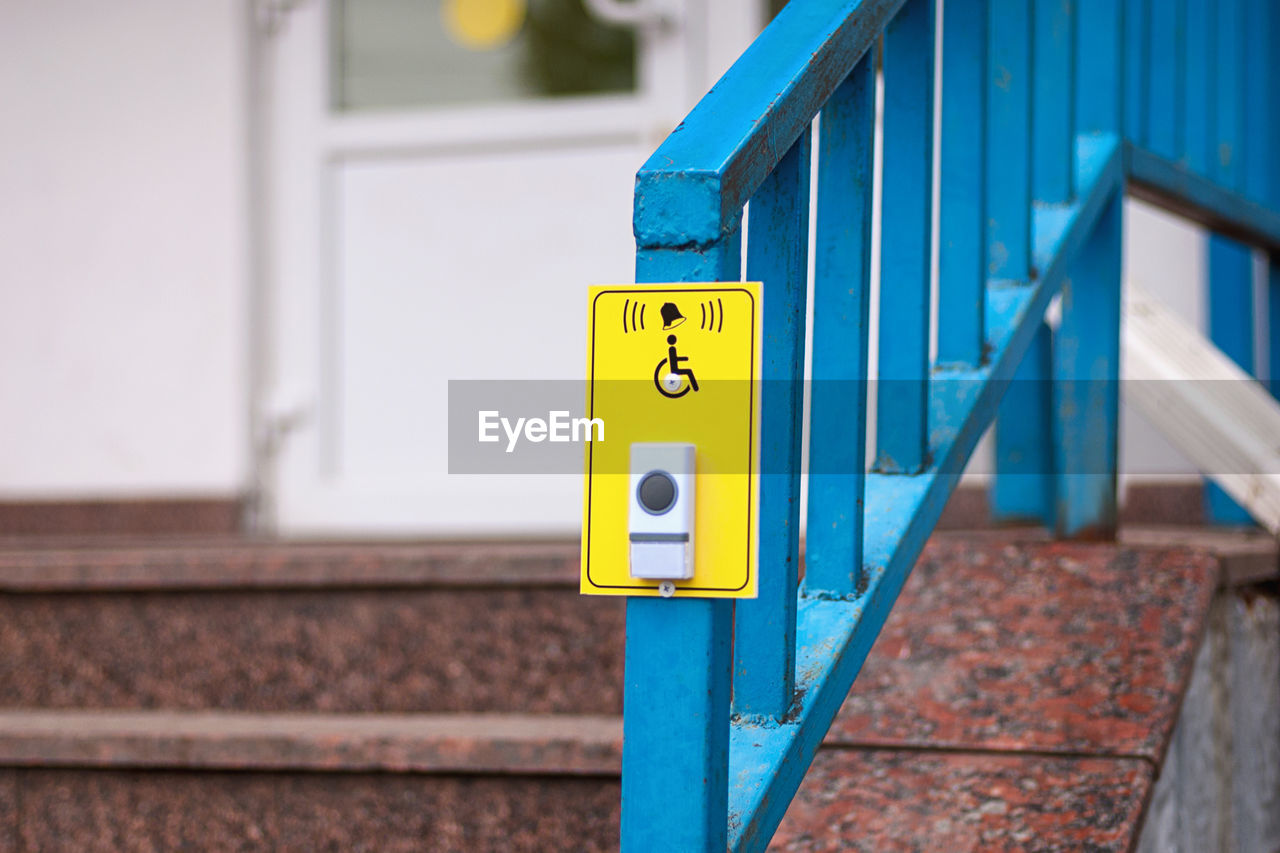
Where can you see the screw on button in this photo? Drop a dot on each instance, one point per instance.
(656, 492)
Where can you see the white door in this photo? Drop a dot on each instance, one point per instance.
(446, 177)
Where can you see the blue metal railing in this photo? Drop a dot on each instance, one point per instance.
(1050, 110)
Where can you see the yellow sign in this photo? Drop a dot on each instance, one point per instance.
(669, 366)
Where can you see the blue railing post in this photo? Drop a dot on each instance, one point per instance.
(1053, 147)
(1053, 183)
(1273, 257)
(1273, 199)
(1009, 142)
(841, 301)
(1022, 488)
(777, 255)
(1200, 68)
(902, 435)
(1137, 68)
(1260, 154)
(675, 751)
(1100, 34)
(1230, 284)
(1165, 102)
(1273, 322)
(1230, 309)
(962, 277)
(1086, 393)
(1228, 82)
(1261, 169)
(1053, 96)
(1086, 345)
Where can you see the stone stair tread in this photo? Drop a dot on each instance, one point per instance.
(514, 648)
(1023, 692)
(1021, 695)
(520, 744)
(872, 799)
(1045, 647)
(100, 564)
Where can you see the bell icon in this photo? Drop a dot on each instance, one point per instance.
(671, 316)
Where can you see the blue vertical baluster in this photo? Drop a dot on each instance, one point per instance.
(777, 255)
(1009, 141)
(1273, 258)
(1164, 124)
(1230, 295)
(1024, 485)
(1273, 98)
(1228, 82)
(1086, 347)
(1137, 68)
(1200, 68)
(1273, 322)
(1022, 460)
(1053, 135)
(962, 279)
(1272, 135)
(841, 297)
(1260, 170)
(1100, 62)
(1260, 154)
(675, 752)
(906, 246)
(1086, 367)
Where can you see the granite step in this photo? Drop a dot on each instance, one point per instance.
(450, 744)
(93, 780)
(1032, 695)
(1022, 695)
(343, 627)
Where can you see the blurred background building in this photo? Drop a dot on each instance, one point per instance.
(246, 244)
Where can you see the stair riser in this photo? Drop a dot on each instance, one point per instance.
(407, 650)
(48, 809)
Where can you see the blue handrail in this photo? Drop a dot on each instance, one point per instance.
(1050, 111)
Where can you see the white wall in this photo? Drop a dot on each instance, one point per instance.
(123, 256)
(122, 248)
(1167, 257)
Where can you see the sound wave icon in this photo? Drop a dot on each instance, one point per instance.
(712, 315)
(632, 317)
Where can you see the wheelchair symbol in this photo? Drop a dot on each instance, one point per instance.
(675, 380)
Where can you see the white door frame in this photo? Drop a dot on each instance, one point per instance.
(303, 144)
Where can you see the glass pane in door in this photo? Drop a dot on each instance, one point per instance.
(403, 54)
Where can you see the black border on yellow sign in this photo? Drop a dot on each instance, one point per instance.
(591, 405)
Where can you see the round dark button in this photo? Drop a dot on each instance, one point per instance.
(656, 492)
